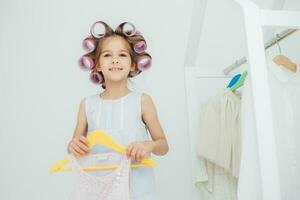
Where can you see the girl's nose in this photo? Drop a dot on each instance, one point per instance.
(115, 60)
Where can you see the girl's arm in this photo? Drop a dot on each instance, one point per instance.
(158, 145)
(149, 115)
(78, 144)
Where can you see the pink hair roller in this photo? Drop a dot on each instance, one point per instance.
(140, 46)
(144, 62)
(128, 29)
(96, 77)
(98, 29)
(86, 63)
(89, 44)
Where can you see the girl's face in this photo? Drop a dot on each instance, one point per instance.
(115, 61)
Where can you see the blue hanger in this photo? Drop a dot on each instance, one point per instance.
(240, 81)
(234, 80)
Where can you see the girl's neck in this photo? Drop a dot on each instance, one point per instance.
(115, 90)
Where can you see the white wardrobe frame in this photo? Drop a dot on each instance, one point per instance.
(255, 18)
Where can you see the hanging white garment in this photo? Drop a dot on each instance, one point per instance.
(219, 135)
(101, 184)
(249, 185)
(285, 101)
(213, 182)
(285, 98)
(218, 147)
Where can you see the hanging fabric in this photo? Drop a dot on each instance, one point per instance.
(218, 147)
(219, 135)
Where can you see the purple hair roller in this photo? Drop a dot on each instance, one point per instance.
(128, 29)
(86, 63)
(140, 46)
(98, 29)
(144, 62)
(89, 44)
(96, 77)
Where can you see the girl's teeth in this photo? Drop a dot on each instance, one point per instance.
(115, 69)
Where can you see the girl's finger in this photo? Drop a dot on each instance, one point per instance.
(129, 149)
(82, 146)
(142, 154)
(74, 152)
(133, 153)
(84, 140)
(80, 151)
(139, 154)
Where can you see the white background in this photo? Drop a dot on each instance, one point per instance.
(41, 85)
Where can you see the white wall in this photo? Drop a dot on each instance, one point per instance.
(41, 87)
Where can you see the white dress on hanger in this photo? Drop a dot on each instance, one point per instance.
(285, 97)
(101, 184)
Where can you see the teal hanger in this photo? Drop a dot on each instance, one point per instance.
(240, 82)
(234, 80)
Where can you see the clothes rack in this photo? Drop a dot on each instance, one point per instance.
(255, 19)
(268, 44)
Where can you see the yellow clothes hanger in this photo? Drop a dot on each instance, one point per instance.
(284, 60)
(101, 137)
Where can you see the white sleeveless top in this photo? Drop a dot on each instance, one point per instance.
(122, 118)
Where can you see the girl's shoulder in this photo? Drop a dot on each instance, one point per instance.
(138, 94)
(145, 97)
(90, 101)
(91, 96)
(141, 93)
(147, 102)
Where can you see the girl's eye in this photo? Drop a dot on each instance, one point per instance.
(123, 55)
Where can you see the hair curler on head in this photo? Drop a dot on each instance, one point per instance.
(144, 62)
(96, 77)
(86, 63)
(140, 46)
(98, 29)
(128, 29)
(89, 44)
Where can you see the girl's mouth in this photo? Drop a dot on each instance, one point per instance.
(115, 69)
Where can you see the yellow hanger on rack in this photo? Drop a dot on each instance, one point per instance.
(101, 137)
(284, 60)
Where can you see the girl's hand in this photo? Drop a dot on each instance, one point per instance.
(79, 146)
(137, 150)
